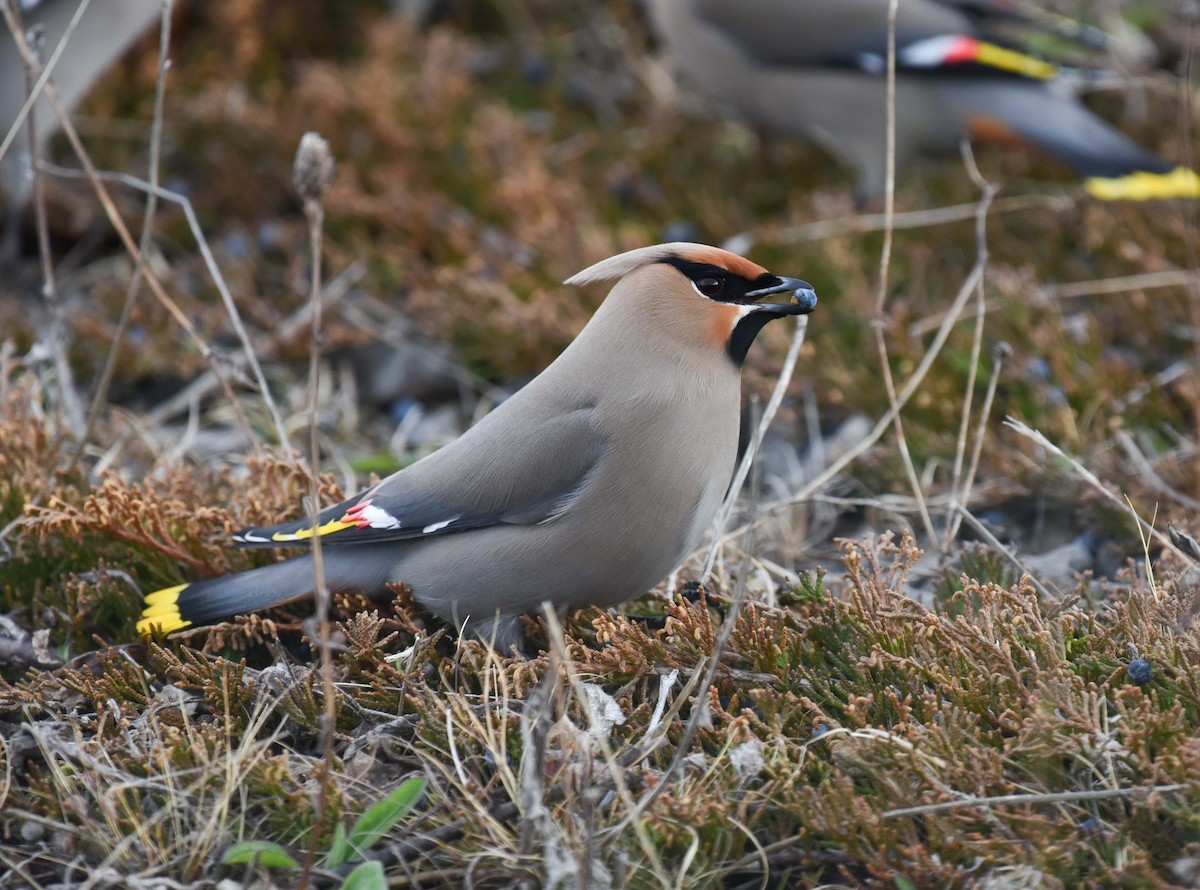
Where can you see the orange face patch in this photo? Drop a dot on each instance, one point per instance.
(724, 317)
(726, 260)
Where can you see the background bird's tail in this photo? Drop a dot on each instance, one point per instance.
(1112, 165)
(204, 602)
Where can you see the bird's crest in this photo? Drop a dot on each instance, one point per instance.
(623, 263)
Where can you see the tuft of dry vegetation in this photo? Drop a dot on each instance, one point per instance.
(1000, 693)
(852, 735)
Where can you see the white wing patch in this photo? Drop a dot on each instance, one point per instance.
(438, 526)
(375, 517)
(931, 52)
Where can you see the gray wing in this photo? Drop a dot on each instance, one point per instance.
(497, 473)
(826, 32)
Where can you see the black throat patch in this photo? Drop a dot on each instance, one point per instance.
(744, 332)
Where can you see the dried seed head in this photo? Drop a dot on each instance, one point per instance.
(312, 172)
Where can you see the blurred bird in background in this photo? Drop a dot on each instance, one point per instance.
(818, 69)
(97, 34)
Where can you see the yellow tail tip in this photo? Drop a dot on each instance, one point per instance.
(161, 615)
(1144, 186)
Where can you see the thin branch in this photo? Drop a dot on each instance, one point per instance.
(122, 230)
(1146, 470)
(1001, 352)
(988, 191)
(992, 541)
(57, 336)
(982, 208)
(889, 195)
(313, 175)
(910, 388)
(1090, 478)
(156, 125)
(1121, 284)
(1030, 799)
(760, 432)
(214, 272)
(885, 262)
(912, 219)
(960, 445)
(12, 19)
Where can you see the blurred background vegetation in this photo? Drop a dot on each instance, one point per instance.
(497, 148)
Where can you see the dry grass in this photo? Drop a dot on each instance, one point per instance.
(859, 726)
(852, 736)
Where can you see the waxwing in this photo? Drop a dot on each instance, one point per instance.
(817, 69)
(587, 487)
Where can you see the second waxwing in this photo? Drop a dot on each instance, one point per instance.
(817, 69)
(587, 487)
(102, 33)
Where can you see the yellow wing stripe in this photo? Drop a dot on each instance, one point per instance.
(1011, 60)
(333, 525)
(161, 614)
(1144, 186)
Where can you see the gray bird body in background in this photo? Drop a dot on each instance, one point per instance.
(817, 69)
(105, 31)
(587, 487)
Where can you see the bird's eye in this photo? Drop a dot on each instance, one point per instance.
(710, 285)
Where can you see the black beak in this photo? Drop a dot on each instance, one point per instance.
(804, 298)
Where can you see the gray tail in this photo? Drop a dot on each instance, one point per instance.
(204, 602)
(1064, 128)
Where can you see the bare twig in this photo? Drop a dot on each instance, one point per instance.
(1121, 284)
(988, 193)
(992, 541)
(302, 317)
(122, 230)
(889, 195)
(57, 334)
(110, 364)
(1146, 470)
(214, 272)
(12, 19)
(1186, 86)
(760, 432)
(949, 320)
(902, 397)
(1090, 478)
(1001, 352)
(313, 174)
(960, 445)
(885, 261)
(187, 398)
(981, 251)
(1030, 799)
(1165, 377)
(913, 219)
